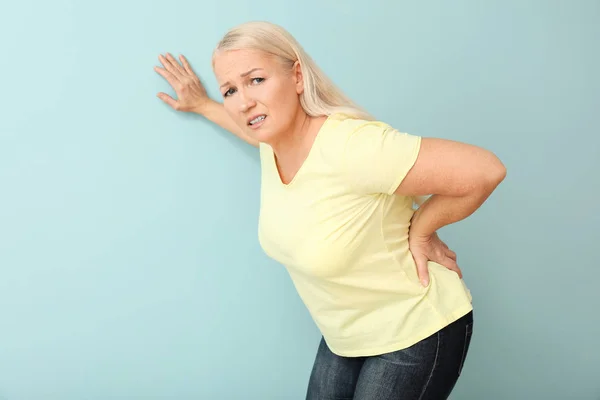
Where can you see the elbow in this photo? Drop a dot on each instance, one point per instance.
(494, 175)
(499, 173)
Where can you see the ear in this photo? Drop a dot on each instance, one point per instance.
(298, 77)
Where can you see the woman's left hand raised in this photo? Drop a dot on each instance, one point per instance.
(431, 248)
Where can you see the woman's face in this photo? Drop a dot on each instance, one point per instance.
(259, 93)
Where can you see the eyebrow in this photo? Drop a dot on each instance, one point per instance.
(243, 75)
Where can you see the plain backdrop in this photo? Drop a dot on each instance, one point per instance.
(129, 261)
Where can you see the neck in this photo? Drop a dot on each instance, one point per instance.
(297, 141)
(293, 147)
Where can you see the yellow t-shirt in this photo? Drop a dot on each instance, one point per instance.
(343, 236)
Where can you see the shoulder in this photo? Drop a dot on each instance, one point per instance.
(344, 137)
(340, 126)
(372, 155)
(340, 131)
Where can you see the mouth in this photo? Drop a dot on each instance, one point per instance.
(256, 120)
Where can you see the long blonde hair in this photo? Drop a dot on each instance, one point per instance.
(321, 97)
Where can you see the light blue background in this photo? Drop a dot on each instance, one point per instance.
(129, 261)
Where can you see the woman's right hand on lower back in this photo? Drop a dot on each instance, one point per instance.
(191, 94)
(431, 248)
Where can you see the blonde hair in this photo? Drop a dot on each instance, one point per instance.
(321, 97)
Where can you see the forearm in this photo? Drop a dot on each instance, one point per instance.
(215, 112)
(439, 211)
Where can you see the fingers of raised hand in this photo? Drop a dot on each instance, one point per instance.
(167, 64)
(172, 69)
(186, 65)
(175, 65)
(181, 77)
(173, 81)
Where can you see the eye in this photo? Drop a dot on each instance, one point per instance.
(258, 80)
(228, 93)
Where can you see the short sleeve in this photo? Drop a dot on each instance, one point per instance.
(376, 157)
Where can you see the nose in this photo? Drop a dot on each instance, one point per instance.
(246, 102)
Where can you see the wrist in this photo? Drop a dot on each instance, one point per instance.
(418, 227)
(203, 107)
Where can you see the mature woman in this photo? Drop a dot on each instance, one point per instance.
(337, 196)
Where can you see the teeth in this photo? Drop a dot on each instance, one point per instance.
(257, 119)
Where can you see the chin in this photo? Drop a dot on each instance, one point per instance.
(263, 135)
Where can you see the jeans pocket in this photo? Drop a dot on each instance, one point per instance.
(466, 344)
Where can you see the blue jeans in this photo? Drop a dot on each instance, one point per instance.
(428, 370)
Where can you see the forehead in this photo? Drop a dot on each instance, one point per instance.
(228, 65)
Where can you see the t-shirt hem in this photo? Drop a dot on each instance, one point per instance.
(374, 351)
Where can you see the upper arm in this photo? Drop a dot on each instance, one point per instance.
(380, 159)
(450, 168)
